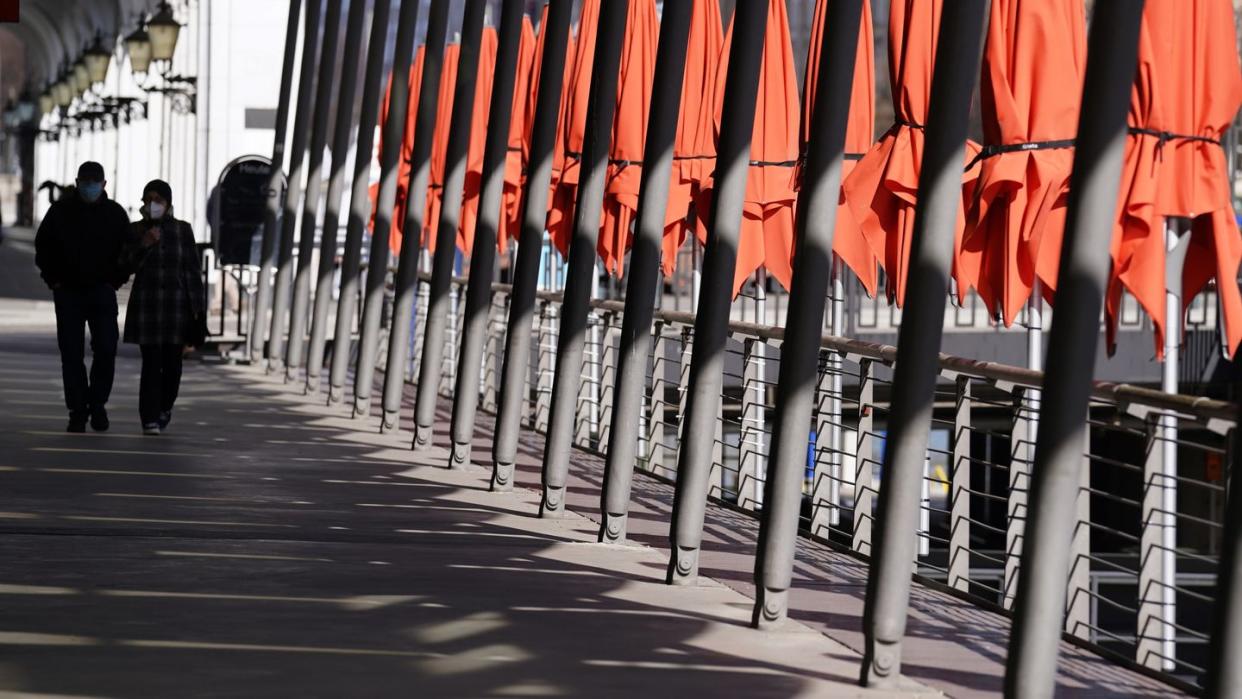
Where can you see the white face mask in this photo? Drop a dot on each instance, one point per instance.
(156, 210)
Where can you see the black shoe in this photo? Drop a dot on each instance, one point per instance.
(165, 418)
(77, 422)
(99, 420)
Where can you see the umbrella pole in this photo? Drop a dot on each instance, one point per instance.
(1176, 244)
(293, 190)
(416, 198)
(515, 368)
(385, 203)
(895, 543)
(1039, 611)
(478, 299)
(431, 369)
(581, 274)
(271, 218)
(643, 272)
(702, 399)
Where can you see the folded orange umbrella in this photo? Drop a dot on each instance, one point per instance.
(407, 147)
(881, 190)
(1032, 85)
(439, 146)
(558, 148)
(767, 233)
(1190, 88)
(473, 184)
(694, 149)
(629, 130)
(847, 241)
(519, 141)
(576, 94)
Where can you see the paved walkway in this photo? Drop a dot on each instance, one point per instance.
(269, 546)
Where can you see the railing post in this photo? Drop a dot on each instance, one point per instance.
(608, 376)
(959, 489)
(545, 355)
(702, 414)
(1021, 457)
(385, 202)
(812, 270)
(1078, 605)
(515, 369)
(312, 202)
(491, 351)
(825, 486)
(642, 284)
(293, 193)
(343, 128)
(478, 300)
(1153, 577)
(1031, 665)
(657, 405)
(271, 218)
(445, 230)
(752, 466)
(359, 204)
(958, 51)
(864, 460)
(1224, 672)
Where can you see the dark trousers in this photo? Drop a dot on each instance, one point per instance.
(161, 379)
(76, 309)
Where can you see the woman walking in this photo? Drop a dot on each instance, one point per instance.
(166, 313)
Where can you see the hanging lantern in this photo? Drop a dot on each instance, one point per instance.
(138, 46)
(164, 30)
(97, 61)
(64, 93)
(81, 77)
(46, 102)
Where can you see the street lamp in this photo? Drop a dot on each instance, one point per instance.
(46, 101)
(97, 61)
(63, 92)
(81, 77)
(164, 30)
(138, 46)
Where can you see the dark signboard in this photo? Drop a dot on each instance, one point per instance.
(240, 205)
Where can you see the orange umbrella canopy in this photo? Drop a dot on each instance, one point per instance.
(478, 139)
(439, 146)
(848, 241)
(629, 129)
(694, 149)
(881, 190)
(1031, 88)
(519, 140)
(576, 95)
(1187, 92)
(558, 148)
(767, 231)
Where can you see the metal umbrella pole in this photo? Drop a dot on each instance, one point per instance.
(359, 200)
(643, 271)
(411, 232)
(483, 261)
(343, 129)
(1112, 53)
(385, 203)
(271, 216)
(313, 199)
(715, 296)
(571, 338)
(804, 322)
(514, 370)
(293, 191)
(445, 232)
(958, 51)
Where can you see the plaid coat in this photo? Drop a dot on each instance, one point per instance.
(168, 284)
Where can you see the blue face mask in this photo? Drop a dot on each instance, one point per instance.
(91, 191)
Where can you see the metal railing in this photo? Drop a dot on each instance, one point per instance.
(1132, 597)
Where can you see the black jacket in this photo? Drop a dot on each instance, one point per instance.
(79, 244)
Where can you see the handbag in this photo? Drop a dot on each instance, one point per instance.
(196, 334)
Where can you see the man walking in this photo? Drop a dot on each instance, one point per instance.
(77, 250)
